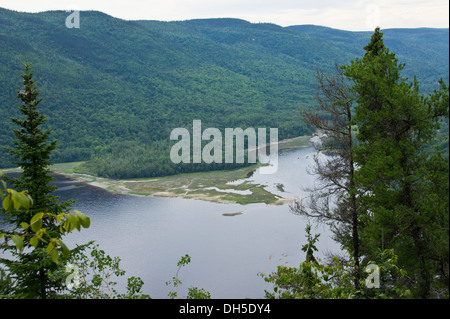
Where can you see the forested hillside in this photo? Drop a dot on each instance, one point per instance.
(113, 89)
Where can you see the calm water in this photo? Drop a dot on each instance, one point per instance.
(150, 234)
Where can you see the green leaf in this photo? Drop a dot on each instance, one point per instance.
(65, 251)
(18, 240)
(24, 225)
(34, 241)
(54, 255)
(59, 217)
(85, 221)
(36, 225)
(15, 196)
(36, 217)
(6, 203)
(36, 222)
(30, 199)
(24, 200)
(50, 247)
(71, 223)
(16, 202)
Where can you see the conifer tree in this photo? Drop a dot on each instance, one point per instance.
(396, 126)
(334, 199)
(32, 150)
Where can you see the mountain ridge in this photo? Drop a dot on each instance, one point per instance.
(113, 89)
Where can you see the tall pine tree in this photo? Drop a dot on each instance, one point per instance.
(396, 126)
(32, 150)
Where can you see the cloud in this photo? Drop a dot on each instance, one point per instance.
(359, 15)
(414, 13)
(356, 15)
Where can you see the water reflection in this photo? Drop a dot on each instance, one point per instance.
(229, 243)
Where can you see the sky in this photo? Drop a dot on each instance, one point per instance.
(352, 15)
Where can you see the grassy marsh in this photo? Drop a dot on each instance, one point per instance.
(218, 186)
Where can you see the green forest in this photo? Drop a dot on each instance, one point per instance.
(114, 89)
(111, 94)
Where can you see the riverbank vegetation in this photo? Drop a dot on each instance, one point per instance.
(37, 219)
(115, 89)
(384, 189)
(227, 186)
(385, 194)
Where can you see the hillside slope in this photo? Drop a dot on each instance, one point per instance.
(114, 89)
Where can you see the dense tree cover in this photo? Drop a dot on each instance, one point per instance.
(315, 279)
(37, 219)
(403, 184)
(34, 267)
(117, 88)
(390, 183)
(384, 187)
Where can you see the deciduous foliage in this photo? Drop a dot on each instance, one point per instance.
(95, 275)
(115, 88)
(32, 236)
(334, 279)
(193, 292)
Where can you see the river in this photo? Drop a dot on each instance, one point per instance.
(150, 234)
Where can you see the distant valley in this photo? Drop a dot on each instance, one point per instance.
(114, 89)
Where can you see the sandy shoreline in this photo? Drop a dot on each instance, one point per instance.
(118, 187)
(213, 186)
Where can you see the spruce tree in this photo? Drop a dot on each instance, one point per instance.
(32, 150)
(396, 126)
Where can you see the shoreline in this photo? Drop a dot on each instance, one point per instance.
(213, 186)
(151, 187)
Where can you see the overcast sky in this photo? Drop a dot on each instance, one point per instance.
(354, 15)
